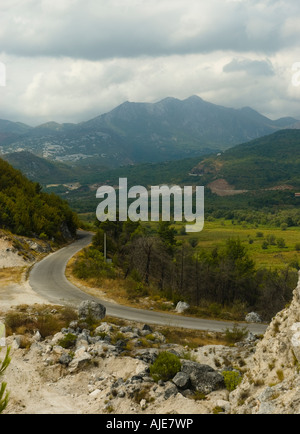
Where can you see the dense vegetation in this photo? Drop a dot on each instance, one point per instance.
(153, 261)
(26, 210)
(258, 167)
(262, 163)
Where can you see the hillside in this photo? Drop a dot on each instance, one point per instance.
(11, 131)
(40, 169)
(271, 162)
(260, 173)
(26, 210)
(145, 132)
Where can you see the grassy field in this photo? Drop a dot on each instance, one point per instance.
(267, 246)
(263, 243)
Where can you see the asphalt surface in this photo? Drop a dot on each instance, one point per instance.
(47, 279)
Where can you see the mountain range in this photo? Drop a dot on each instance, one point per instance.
(133, 133)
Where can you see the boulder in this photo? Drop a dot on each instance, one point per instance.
(171, 390)
(91, 309)
(181, 306)
(253, 317)
(203, 378)
(81, 358)
(181, 380)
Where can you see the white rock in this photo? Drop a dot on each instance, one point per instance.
(95, 393)
(181, 306)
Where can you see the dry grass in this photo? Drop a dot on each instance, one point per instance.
(48, 320)
(178, 335)
(13, 275)
(116, 289)
(191, 338)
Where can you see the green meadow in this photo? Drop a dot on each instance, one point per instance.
(269, 247)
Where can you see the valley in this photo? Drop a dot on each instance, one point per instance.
(244, 261)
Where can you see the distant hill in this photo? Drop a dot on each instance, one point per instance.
(26, 210)
(145, 132)
(45, 171)
(11, 131)
(39, 169)
(271, 162)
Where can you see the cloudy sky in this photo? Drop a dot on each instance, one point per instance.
(71, 60)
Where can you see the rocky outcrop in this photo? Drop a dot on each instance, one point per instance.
(271, 383)
(76, 348)
(109, 368)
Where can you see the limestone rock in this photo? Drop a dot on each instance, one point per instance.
(203, 378)
(253, 317)
(181, 380)
(181, 307)
(90, 308)
(275, 362)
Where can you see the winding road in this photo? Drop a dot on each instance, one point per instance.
(47, 278)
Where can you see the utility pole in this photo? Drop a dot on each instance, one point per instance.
(105, 246)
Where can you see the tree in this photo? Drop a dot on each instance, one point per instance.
(3, 393)
(167, 235)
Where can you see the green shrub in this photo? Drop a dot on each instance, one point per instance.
(165, 366)
(68, 341)
(281, 243)
(137, 291)
(236, 334)
(231, 379)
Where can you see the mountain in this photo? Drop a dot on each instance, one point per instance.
(10, 131)
(146, 132)
(25, 210)
(270, 162)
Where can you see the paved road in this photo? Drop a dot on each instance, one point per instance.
(48, 279)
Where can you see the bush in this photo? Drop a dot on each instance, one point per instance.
(42, 319)
(137, 292)
(231, 379)
(281, 243)
(91, 264)
(68, 341)
(236, 334)
(165, 366)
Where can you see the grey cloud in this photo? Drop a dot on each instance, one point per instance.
(69, 60)
(252, 67)
(97, 29)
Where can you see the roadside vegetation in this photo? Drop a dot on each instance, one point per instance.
(26, 210)
(229, 269)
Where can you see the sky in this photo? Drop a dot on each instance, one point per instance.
(72, 60)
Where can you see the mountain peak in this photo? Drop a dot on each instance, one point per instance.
(194, 98)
